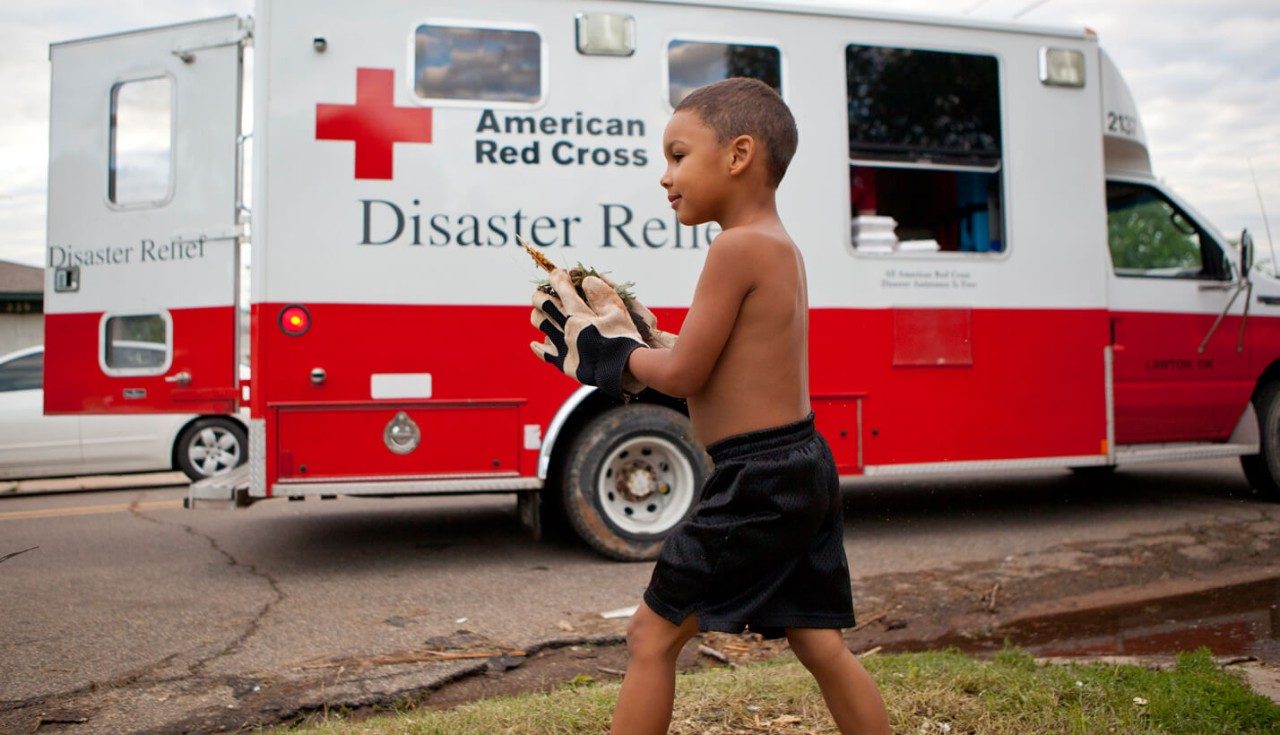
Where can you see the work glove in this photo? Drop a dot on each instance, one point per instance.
(655, 338)
(590, 341)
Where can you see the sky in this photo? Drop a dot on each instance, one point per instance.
(1205, 77)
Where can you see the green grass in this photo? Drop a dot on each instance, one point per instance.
(926, 693)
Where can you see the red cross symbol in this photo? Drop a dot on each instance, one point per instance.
(373, 122)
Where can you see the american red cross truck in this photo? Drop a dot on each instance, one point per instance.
(997, 279)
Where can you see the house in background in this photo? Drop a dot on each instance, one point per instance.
(21, 306)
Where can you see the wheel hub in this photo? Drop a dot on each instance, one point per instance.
(638, 480)
(213, 451)
(645, 484)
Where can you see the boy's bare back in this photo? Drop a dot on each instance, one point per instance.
(761, 377)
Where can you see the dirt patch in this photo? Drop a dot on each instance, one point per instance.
(973, 600)
(544, 671)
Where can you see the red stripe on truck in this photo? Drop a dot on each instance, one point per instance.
(1033, 386)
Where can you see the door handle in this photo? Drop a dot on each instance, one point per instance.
(182, 378)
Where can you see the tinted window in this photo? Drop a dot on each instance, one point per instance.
(920, 209)
(477, 64)
(1151, 237)
(136, 355)
(136, 342)
(922, 106)
(693, 64)
(24, 373)
(138, 166)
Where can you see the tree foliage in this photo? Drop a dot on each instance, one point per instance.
(756, 62)
(906, 104)
(1147, 236)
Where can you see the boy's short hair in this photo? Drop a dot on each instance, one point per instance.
(743, 106)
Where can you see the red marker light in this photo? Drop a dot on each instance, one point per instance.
(294, 320)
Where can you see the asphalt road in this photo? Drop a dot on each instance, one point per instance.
(127, 611)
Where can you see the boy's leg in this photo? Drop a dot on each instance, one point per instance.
(649, 688)
(850, 692)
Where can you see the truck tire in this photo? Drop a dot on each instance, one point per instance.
(1262, 470)
(630, 476)
(210, 446)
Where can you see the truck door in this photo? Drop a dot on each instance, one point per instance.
(142, 276)
(1174, 381)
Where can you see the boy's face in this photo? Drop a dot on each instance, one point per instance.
(697, 168)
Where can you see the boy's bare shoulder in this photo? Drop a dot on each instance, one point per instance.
(752, 243)
(743, 254)
(760, 255)
(746, 236)
(730, 264)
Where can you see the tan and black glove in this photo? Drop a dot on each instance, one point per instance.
(590, 341)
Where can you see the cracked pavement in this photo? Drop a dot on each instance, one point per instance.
(197, 667)
(153, 618)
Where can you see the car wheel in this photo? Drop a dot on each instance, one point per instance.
(211, 447)
(631, 475)
(1262, 470)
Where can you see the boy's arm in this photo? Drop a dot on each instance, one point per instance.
(727, 277)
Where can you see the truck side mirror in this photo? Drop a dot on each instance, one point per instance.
(1246, 253)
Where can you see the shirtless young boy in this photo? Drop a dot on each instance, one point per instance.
(764, 547)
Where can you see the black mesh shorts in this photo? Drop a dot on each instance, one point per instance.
(764, 548)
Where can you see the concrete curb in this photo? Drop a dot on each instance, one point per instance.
(91, 483)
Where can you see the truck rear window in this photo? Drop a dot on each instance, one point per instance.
(693, 64)
(139, 167)
(137, 344)
(479, 64)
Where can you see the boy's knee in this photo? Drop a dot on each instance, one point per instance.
(649, 635)
(817, 648)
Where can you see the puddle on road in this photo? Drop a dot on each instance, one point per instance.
(1233, 620)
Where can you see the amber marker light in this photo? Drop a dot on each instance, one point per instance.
(295, 320)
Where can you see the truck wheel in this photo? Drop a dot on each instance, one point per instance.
(210, 447)
(630, 476)
(1263, 469)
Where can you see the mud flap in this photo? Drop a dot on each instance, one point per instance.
(221, 492)
(529, 507)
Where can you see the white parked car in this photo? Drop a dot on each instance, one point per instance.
(35, 445)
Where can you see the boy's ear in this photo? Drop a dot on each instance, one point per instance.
(742, 151)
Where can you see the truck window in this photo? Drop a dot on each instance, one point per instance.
(137, 344)
(477, 64)
(693, 64)
(138, 166)
(925, 151)
(1150, 237)
(24, 373)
